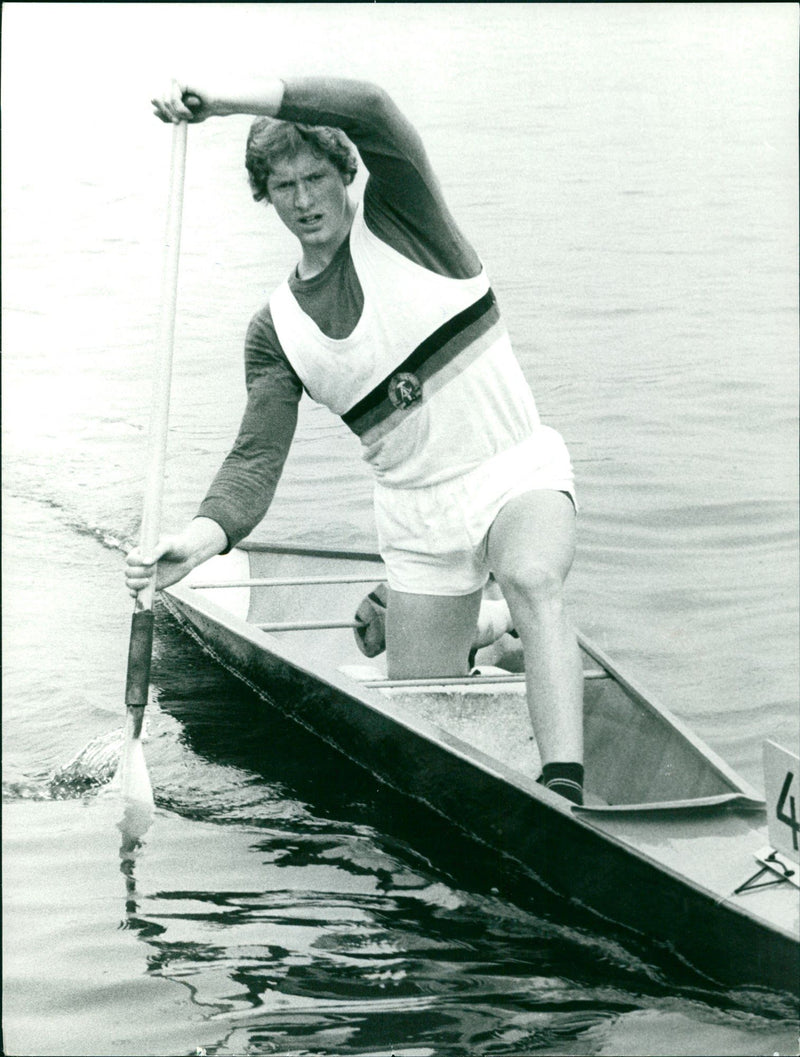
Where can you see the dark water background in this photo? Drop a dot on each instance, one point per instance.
(628, 173)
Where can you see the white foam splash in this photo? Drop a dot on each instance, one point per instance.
(95, 765)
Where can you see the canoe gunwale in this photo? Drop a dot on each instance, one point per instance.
(698, 803)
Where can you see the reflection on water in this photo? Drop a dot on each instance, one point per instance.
(332, 939)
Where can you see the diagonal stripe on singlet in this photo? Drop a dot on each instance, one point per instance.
(435, 352)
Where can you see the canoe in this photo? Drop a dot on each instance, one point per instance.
(667, 842)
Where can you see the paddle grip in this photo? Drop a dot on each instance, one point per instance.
(140, 652)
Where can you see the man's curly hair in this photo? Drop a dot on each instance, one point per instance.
(271, 140)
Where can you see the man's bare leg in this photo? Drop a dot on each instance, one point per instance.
(430, 635)
(531, 547)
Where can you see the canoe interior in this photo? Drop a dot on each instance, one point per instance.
(636, 754)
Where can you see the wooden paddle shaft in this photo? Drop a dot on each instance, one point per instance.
(141, 641)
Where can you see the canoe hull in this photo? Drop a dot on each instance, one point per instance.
(577, 854)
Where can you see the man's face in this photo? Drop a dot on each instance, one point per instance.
(310, 197)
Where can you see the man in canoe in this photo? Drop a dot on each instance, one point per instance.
(389, 320)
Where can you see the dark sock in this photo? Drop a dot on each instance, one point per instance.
(566, 779)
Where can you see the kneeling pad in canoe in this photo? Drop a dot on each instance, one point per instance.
(370, 631)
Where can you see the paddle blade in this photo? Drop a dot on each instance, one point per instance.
(134, 785)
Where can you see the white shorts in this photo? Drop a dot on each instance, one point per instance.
(434, 539)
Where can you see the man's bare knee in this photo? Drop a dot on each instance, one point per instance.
(534, 584)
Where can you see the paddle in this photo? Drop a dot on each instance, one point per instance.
(135, 782)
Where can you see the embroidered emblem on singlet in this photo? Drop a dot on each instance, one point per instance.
(404, 389)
